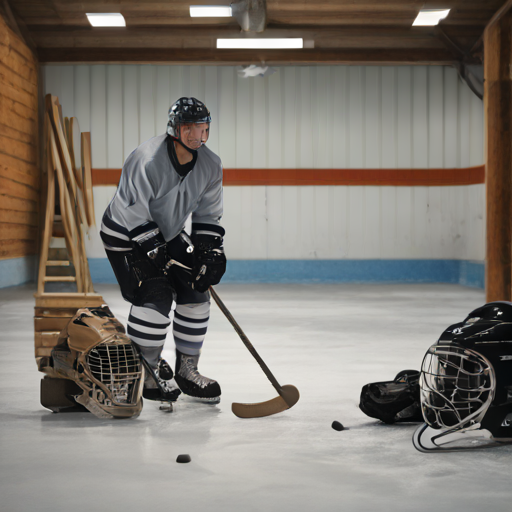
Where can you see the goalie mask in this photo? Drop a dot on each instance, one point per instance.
(95, 353)
(189, 122)
(466, 383)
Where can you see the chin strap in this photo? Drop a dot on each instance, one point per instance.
(191, 151)
(426, 439)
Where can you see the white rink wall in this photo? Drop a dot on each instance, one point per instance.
(305, 117)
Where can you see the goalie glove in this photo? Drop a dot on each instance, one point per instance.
(210, 260)
(151, 243)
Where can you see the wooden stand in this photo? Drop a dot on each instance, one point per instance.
(68, 265)
(52, 313)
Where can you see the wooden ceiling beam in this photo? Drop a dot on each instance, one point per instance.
(335, 28)
(180, 37)
(292, 5)
(327, 12)
(375, 56)
(272, 5)
(402, 20)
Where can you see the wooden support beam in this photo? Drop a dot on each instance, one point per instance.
(498, 110)
(180, 37)
(182, 56)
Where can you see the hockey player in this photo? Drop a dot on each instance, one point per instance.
(163, 181)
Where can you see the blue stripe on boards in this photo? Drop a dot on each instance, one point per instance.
(16, 271)
(343, 271)
(467, 273)
(101, 271)
(472, 273)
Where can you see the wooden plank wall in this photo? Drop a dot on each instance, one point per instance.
(19, 169)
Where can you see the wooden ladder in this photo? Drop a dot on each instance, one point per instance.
(62, 176)
(68, 264)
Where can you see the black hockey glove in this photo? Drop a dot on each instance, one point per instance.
(152, 244)
(210, 260)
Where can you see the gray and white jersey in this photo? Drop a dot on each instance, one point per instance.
(151, 191)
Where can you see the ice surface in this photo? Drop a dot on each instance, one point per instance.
(328, 340)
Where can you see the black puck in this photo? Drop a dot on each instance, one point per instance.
(336, 425)
(183, 458)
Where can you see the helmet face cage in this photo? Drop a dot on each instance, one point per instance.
(187, 111)
(99, 357)
(457, 386)
(114, 370)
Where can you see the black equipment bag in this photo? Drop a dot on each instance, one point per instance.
(393, 401)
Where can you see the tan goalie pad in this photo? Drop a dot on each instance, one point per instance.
(96, 354)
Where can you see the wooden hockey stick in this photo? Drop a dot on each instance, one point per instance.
(288, 394)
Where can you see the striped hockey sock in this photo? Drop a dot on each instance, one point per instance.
(148, 329)
(189, 327)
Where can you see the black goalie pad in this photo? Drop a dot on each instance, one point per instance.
(393, 401)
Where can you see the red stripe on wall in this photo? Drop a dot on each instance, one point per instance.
(318, 177)
(105, 176)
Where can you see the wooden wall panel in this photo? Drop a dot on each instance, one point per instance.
(19, 171)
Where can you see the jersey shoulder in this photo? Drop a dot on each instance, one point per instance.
(209, 156)
(148, 150)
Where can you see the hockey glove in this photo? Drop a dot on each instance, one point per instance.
(210, 260)
(152, 244)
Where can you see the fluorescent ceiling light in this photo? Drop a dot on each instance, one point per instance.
(430, 16)
(260, 43)
(106, 19)
(210, 11)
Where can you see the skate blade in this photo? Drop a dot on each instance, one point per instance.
(167, 407)
(202, 400)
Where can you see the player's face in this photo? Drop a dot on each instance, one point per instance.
(193, 135)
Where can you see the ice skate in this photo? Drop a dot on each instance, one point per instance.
(159, 385)
(192, 383)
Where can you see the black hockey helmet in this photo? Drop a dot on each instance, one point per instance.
(466, 382)
(186, 110)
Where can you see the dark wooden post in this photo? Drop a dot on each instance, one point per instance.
(498, 119)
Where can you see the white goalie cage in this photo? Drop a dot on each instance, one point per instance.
(457, 386)
(113, 364)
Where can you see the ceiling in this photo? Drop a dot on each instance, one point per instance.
(336, 31)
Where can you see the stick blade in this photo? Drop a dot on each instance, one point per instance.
(288, 398)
